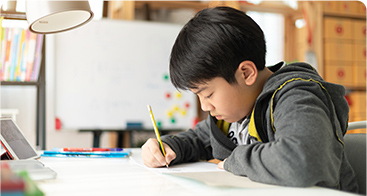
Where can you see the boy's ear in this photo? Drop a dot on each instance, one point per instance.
(248, 72)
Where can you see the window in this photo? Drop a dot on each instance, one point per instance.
(273, 28)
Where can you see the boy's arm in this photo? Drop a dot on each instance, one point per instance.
(305, 150)
(191, 145)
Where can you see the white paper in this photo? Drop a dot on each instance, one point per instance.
(222, 179)
(205, 172)
(180, 168)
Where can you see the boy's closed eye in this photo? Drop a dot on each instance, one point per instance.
(210, 95)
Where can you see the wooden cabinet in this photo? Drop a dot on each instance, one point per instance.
(340, 46)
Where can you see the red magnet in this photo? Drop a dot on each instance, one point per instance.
(58, 124)
(168, 95)
(187, 105)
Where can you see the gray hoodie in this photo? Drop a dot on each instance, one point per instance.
(299, 121)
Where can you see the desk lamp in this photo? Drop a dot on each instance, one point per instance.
(50, 16)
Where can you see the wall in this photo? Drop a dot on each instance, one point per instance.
(24, 99)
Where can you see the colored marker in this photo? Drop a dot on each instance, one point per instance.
(156, 131)
(91, 149)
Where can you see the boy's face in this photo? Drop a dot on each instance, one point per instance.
(224, 101)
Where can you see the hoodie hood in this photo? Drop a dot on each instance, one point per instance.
(283, 77)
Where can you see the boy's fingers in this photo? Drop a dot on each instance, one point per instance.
(169, 158)
(221, 164)
(151, 154)
(157, 153)
(170, 154)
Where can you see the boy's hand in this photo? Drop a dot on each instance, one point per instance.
(221, 164)
(152, 155)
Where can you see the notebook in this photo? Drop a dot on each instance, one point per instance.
(20, 154)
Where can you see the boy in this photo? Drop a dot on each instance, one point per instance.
(280, 125)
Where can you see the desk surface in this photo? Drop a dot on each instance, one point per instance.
(120, 176)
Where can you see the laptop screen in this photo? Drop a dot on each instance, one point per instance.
(14, 138)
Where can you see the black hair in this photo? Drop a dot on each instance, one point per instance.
(213, 44)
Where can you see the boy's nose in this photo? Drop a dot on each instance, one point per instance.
(206, 106)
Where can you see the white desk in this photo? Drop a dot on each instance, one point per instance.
(100, 176)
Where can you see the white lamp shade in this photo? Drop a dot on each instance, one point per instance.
(50, 16)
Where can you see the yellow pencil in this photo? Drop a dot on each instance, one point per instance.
(156, 131)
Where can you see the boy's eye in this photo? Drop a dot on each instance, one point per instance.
(209, 96)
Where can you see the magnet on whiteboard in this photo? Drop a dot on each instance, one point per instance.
(178, 95)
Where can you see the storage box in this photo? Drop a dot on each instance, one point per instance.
(359, 52)
(358, 104)
(339, 73)
(331, 6)
(357, 109)
(337, 28)
(359, 30)
(348, 7)
(338, 51)
(361, 7)
(359, 74)
(360, 116)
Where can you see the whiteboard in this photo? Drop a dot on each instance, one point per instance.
(108, 71)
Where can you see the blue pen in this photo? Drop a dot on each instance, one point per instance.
(56, 153)
(87, 156)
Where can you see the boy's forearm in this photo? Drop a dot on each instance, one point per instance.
(191, 145)
(188, 147)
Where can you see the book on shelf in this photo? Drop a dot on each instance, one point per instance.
(21, 53)
(19, 182)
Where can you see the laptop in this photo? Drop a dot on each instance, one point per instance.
(17, 152)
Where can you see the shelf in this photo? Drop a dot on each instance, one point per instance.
(354, 88)
(154, 5)
(13, 15)
(361, 16)
(270, 6)
(266, 6)
(10, 83)
(40, 85)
